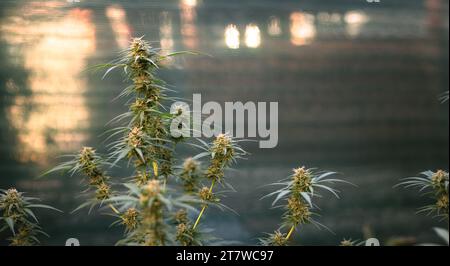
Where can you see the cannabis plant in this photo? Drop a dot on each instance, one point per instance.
(157, 204)
(222, 153)
(296, 197)
(434, 185)
(91, 165)
(17, 214)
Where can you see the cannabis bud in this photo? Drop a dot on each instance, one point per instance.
(181, 216)
(189, 174)
(130, 218)
(206, 194)
(185, 234)
(103, 191)
(298, 211)
(222, 153)
(442, 204)
(275, 239)
(135, 137)
(223, 149)
(302, 181)
(12, 204)
(190, 165)
(90, 166)
(439, 179)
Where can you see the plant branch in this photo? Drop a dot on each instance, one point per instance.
(290, 232)
(204, 207)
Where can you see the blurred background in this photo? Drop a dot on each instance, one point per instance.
(357, 84)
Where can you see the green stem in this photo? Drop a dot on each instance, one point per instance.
(204, 207)
(290, 232)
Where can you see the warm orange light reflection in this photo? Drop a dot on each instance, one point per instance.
(166, 32)
(117, 18)
(232, 36)
(303, 29)
(355, 20)
(188, 16)
(189, 3)
(252, 36)
(54, 51)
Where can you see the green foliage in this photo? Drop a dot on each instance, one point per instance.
(17, 214)
(146, 202)
(157, 203)
(296, 197)
(434, 185)
(143, 213)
